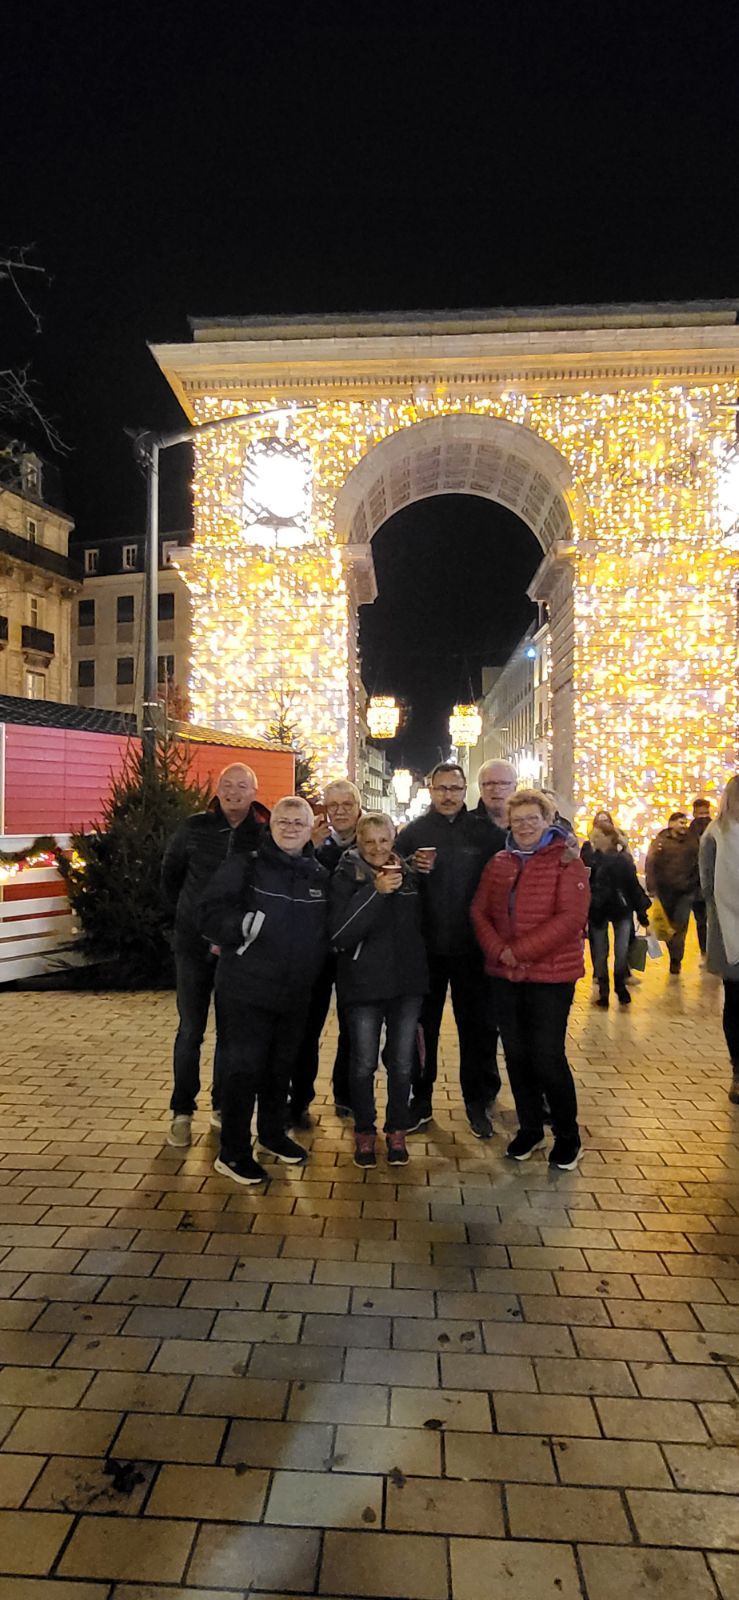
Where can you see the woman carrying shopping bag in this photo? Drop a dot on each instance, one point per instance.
(616, 895)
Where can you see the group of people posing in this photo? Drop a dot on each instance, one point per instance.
(272, 912)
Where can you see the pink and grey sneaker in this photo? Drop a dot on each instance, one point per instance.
(397, 1150)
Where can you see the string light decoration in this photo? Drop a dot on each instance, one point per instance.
(465, 726)
(383, 716)
(42, 852)
(651, 690)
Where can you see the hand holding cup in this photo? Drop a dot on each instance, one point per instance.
(424, 859)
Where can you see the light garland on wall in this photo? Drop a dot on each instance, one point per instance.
(653, 696)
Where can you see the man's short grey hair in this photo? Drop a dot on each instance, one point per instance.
(239, 767)
(497, 761)
(346, 786)
(293, 802)
(375, 819)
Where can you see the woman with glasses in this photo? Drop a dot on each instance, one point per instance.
(530, 914)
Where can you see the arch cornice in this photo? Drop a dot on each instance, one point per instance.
(458, 453)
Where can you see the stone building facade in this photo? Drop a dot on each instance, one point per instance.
(108, 640)
(38, 584)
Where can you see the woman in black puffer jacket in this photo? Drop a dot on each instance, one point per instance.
(381, 976)
(615, 895)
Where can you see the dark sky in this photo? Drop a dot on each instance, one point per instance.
(237, 159)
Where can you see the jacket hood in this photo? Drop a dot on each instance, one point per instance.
(555, 837)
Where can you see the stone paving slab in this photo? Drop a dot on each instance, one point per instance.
(456, 1381)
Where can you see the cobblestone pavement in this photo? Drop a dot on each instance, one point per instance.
(461, 1379)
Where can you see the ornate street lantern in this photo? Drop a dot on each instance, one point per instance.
(465, 726)
(383, 716)
(402, 784)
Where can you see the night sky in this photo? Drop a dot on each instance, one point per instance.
(232, 159)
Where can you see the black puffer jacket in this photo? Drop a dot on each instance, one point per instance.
(379, 937)
(194, 853)
(464, 844)
(615, 890)
(274, 961)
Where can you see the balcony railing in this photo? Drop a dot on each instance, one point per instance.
(37, 640)
(38, 555)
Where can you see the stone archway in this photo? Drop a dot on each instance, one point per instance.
(619, 417)
(464, 453)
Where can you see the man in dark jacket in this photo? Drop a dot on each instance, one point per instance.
(672, 874)
(266, 914)
(701, 819)
(235, 821)
(449, 848)
(496, 781)
(333, 834)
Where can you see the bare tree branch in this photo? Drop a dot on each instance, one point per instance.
(20, 399)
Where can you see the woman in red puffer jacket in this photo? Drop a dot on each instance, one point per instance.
(530, 913)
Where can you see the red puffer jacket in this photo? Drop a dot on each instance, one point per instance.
(539, 909)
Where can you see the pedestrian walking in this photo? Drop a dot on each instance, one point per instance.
(719, 877)
(616, 896)
(529, 914)
(382, 976)
(234, 823)
(672, 875)
(267, 915)
(697, 827)
(334, 831)
(449, 848)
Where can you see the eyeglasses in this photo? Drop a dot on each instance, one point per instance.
(448, 788)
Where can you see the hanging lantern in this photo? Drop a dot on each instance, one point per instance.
(402, 784)
(465, 725)
(383, 716)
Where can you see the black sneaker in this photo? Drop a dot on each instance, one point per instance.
(565, 1154)
(285, 1149)
(300, 1119)
(602, 999)
(247, 1170)
(675, 967)
(364, 1150)
(479, 1122)
(524, 1144)
(397, 1150)
(420, 1114)
(624, 998)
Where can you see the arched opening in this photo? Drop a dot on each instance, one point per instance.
(462, 520)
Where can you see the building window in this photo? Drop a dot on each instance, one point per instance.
(130, 552)
(86, 674)
(124, 670)
(169, 551)
(31, 474)
(124, 608)
(35, 686)
(33, 611)
(165, 669)
(86, 614)
(165, 607)
(92, 562)
(32, 529)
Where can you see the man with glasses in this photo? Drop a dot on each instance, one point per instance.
(496, 781)
(449, 847)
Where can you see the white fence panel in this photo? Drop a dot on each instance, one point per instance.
(34, 927)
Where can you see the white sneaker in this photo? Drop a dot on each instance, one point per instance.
(215, 1119)
(180, 1133)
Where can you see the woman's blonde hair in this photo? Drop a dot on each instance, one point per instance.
(531, 797)
(375, 819)
(728, 806)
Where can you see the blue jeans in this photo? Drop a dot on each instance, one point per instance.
(365, 1025)
(622, 931)
(196, 972)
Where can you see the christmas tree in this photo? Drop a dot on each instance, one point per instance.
(115, 891)
(283, 730)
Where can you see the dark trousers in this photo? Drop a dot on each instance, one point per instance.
(258, 1051)
(195, 978)
(365, 1025)
(305, 1069)
(731, 1020)
(474, 1017)
(678, 909)
(532, 1018)
(701, 923)
(623, 928)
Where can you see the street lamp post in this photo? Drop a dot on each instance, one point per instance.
(147, 449)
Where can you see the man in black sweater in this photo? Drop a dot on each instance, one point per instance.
(450, 847)
(235, 821)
